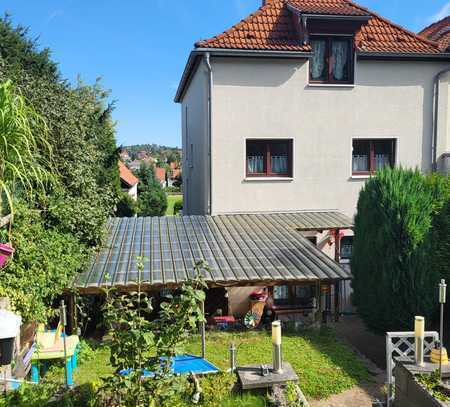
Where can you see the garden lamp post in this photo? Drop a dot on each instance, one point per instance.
(276, 346)
(419, 336)
(442, 299)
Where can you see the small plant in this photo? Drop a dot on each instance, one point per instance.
(432, 383)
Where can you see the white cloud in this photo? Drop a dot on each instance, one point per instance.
(442, 13)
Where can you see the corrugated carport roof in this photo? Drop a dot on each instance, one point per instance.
(239, 249)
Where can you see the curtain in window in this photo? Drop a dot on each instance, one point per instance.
(255, 164)
(339, 50)
(381, 160)
(318, 60)
(279, 164)
(360, 163)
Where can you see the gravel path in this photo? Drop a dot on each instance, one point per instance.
(357, 396)
(370, 348)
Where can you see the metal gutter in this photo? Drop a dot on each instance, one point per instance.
(437, 79)
(402, 55)
(256, 53)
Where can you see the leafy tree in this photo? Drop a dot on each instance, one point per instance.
(393, 280)
(152, 200)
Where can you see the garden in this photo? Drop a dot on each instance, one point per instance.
(133, 363)
(59, 183)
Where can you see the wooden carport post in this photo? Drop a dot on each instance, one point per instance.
(337, 258)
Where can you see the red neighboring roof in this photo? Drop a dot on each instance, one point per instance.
(272, 27)
(160, 173)
(126, 175)
(438, 32)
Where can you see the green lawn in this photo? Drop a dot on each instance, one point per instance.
(325, 366)
(171, 199)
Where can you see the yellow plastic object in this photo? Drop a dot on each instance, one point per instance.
(436, 354)
(57, 350)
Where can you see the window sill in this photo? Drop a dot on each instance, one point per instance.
(268, 179)
(362, 176)
(331, 85)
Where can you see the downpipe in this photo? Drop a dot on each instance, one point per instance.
(210, 89)
(437, 79)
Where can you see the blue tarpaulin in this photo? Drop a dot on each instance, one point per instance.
(183, 364)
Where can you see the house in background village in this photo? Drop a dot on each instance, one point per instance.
(128, 181)
(294, 107)
(161, 176)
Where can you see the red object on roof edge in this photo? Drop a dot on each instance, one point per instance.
(439, 31)
(126, 175)
(272, 28)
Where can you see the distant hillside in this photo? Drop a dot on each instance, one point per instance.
(160, 153)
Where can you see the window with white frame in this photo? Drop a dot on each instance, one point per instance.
(369, 156)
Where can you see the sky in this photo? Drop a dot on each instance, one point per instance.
(139, 47)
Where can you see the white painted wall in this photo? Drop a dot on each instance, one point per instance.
(254, 98)
(133, 192)
(194, 109)
(443, 141)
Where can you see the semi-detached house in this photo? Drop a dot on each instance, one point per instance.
(295, 106)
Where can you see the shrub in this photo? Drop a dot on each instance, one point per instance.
(172, 190)
(126, 206)
(43, 265)
(152, 200)
(177, 207)
(393, 280)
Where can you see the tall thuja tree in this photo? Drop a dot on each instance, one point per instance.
(152, 200)
(25, 153)
(440, 236)
(393, 280)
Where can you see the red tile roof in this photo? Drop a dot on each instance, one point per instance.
(272, 27)
(438, 32)
(126, 175)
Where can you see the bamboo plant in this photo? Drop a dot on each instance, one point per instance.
(25, 153)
